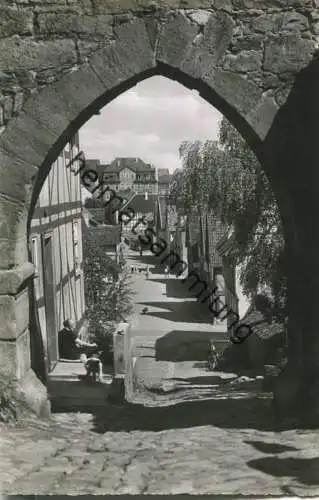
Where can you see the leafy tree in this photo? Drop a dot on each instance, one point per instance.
(108, 289)
(226, 178)
(108, 294)
(176, 185)
(251, 208)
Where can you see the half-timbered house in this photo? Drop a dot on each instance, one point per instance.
(56, 247)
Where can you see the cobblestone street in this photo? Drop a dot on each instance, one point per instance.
(188, 430)
(118, 454)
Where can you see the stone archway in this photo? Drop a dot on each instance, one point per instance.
(220, 52)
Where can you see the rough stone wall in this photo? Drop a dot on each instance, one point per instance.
(266, 41)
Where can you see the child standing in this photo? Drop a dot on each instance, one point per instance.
(93, 366)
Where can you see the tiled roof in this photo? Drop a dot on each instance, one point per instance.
(92, 164)
(98, 214)
(104, 235)
(125, 194)
(259, 325)
(140, 205)
(135, 164)
(163, 175)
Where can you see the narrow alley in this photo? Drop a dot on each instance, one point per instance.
(171, 336)
(179, 434)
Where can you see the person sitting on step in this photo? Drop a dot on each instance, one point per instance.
(70, 345)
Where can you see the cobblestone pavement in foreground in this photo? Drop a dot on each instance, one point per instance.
(212, 437)
(134, 450)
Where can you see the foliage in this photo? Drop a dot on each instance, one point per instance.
(252, 210)
(108, 294)
(227, 179)
(175, 197)
(102, 334)
(108, 290)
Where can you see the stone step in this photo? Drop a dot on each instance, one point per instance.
(77, 378)
(74, 394)
(69, 392)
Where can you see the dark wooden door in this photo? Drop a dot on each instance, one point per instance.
(49, 300)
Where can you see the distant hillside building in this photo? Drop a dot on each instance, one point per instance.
(137, 186)
(129, 174)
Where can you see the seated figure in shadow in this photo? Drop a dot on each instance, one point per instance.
(71, 347)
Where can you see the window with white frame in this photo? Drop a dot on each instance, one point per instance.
(76, 243)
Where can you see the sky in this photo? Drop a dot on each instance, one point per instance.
(149, 121)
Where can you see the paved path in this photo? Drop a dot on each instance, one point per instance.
(193, 432)
(176, 327)
(171, 307)
(120, 454)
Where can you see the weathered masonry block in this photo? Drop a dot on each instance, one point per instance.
(14, 312)
(15, 355)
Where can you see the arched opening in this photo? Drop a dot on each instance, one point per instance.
(210, 97)
(50, 119)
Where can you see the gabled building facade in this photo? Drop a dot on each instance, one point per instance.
(129, 174)
(55, 241)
